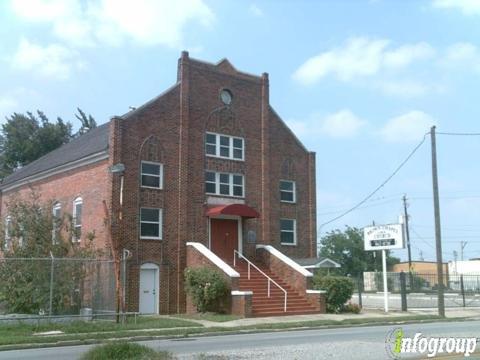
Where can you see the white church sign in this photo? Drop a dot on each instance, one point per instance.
(383, 237)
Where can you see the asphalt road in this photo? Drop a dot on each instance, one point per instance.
(343, 343)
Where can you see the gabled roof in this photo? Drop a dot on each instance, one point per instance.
(93, 142)
(312, 263)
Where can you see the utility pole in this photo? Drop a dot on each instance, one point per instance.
(421, 255)
(462, 246)
(438, 232)
(407, 235)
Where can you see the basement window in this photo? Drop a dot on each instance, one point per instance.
(287, 191)
(288, 232)
(151, 223)
(152, 175)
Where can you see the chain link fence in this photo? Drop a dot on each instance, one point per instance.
(416, 290)
(56, 286)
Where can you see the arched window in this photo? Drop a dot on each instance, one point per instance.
(8, 232)
(56, 218)
(77, 219)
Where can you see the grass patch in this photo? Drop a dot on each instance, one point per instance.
(209, 316)
(125, 351)
(10, 332)
(11, 338)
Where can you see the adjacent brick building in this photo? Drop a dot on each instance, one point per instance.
(208, 161)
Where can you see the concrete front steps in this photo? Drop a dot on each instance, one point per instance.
(262, 305)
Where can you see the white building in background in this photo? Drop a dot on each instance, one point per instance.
(464, 267)
(469, 270)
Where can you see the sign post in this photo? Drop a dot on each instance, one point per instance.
(385, 283)
(383, 237)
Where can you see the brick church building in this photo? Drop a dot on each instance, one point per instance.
(204, 171)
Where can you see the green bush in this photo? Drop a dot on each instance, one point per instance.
(352, 308)
(339, 290)
(207, 288)
(125, 351)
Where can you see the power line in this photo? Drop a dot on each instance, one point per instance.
(458, 134)
(380, 186)
(363, 207)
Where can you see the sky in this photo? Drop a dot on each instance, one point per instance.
(360, 82)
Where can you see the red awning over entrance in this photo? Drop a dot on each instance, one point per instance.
(233, 209)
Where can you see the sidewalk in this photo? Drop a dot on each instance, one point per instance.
(365, 314)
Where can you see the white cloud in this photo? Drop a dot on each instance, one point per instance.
(111, 22)
(467, 7)
(407, 54)
(360, 57)
(407, 127)
(462, 55)
(342, 124)
(255, 10)
(54, 60)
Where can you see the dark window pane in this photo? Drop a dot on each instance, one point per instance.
(78, 214)
(286, 224)
(224, 178)
(286, 196)
(209, 176)
(238, 190)
(224, 151)
(210, 149)
(224, 141)
(286, 185)
(152, 181)
(77, 232)
(210, 188)
(238, 179)
(153, 169)
(287, 237)
(238, 143)
(149, 230)
(225, 189)
(210, 139)
(237, 154)
(149, 214)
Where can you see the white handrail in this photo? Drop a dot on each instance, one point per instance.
(240, 256)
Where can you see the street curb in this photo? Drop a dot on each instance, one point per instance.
(216, 333)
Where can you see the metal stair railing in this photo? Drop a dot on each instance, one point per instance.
(270, 280)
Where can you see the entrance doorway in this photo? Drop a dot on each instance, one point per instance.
(148, 296)
(224, 237)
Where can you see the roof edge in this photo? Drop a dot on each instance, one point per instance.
(87, 160)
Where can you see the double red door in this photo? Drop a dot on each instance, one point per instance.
(224, 237)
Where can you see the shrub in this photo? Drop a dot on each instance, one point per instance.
(339, 290)
(352, 308)
(207, 288)
(125, 351)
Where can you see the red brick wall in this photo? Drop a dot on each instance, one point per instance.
(91, 183)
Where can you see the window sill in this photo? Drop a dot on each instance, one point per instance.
(151, 187)
(287, 244)
(225, 196)
(224, 158)
(288, 202)
(150, 238)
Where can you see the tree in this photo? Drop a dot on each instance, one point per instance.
(28, 137)
(347, 249)
(88, 122)
(26, 268)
